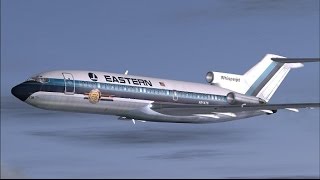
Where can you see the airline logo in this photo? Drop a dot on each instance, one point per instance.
(123, 80)
(93, 77)
(127, 80)
(94, 96)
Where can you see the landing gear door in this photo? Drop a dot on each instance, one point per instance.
(69, 85)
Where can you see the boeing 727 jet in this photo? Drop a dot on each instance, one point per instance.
(226, 97)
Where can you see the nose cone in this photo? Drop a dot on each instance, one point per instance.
(20, 92)
(24, 90)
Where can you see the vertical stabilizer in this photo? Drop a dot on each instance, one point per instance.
(265, 77)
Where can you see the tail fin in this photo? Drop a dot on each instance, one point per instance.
(264, 78)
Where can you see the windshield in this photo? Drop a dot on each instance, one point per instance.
(38, 79)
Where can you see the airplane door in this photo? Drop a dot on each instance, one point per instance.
(69, 85)
(175, 96)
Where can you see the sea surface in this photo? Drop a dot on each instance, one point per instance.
(37, 143)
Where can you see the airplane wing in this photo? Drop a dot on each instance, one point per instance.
(187, 109)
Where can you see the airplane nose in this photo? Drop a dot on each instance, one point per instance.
(24, 90)
(20, 92)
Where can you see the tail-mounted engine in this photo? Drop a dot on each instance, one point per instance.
(218, 77)
(236, 98)
(232, 82)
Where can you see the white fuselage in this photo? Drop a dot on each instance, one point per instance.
(126, 96)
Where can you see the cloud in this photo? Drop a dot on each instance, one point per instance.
(154, 136)
(240, 8)
(188, 154)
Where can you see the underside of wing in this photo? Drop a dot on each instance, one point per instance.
(187, 109)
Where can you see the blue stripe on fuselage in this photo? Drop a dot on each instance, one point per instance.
(127, 91)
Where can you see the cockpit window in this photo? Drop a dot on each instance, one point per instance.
(39, 79)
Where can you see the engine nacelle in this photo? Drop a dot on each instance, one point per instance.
(236, 98)
(233, 82)
(218, 78)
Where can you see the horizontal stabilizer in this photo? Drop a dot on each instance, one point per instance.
(295, 60)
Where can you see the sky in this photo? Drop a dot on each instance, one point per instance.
(170, 39)
(180, 40)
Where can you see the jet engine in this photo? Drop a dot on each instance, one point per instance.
(236, 98)
(233, 82)
(219, 77)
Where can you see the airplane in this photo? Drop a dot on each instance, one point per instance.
(226, 97)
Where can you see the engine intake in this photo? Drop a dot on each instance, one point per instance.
(236, 98)
(210, 77)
